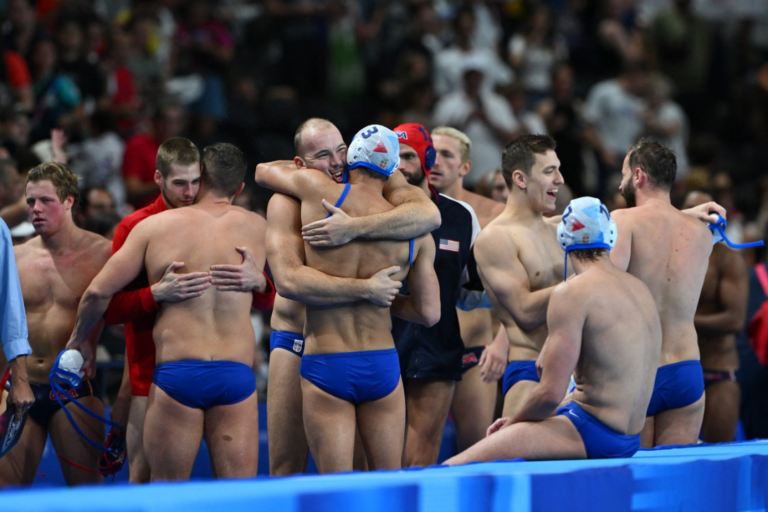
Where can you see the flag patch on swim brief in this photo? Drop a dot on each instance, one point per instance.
(297, 344)
(469, 358)
(449, 245)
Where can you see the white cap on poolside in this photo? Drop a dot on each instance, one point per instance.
(586, 224)
(375, 147)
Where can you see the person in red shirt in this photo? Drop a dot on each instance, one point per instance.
(140, 150)
(177, 175)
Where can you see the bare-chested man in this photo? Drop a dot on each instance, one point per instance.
(485, 355)
(319, 145)
(350, 371)
(520, 261)
(669, 251)
(603, 324)
(55, 268)
(203, 385)
(719, 317)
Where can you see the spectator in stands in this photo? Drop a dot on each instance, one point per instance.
(141, 150)
(22, 29)
(666, 122)
(530, 120)
(73, 62)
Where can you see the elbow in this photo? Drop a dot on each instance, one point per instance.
(430, 316)
(286, 287)
(94, 295)
(434, 220)
(260, 176)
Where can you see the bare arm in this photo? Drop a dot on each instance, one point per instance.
(296, 281)
(704, 211)
(414, 215)
(505, 279)
(733, 295)
(423, 304)
(565, 321)
(284, 177)
(622, 251)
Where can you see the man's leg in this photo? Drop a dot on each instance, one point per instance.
(516, 397)
(70, 445)
(287, 441)
(427, 403)
(18, 466)
(172, 435)
(474, 403)
(552, 439)
(679, 426)
(134, 438)
(648, 433)
(330, 426)
(229, 433)
(721, 413)
(382, 429)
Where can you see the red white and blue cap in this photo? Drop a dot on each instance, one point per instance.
(586, 224)
(375, 147)
(417, 137)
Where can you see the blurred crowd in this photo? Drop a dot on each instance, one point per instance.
(101, 84)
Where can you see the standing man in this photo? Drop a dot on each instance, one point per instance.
(13, 328)
(520, 261)
(603, 324)
(669, 251)
(430, 357)
(319, 145)
(178, 176)
(203, 384)
(485, 356)
(350, 372)
(55, 268)
(719, 318)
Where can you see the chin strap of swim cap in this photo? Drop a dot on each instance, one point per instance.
(576, 247)
(720, 226)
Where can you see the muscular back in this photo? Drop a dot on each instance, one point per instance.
(360, 325)
(620, 346)
(529, 254)
(670, 254)
(215, 325)
(52, 284)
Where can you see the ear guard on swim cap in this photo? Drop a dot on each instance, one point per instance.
(375, 147)
(586, 224)
(417, 137)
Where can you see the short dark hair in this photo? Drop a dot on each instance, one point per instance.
(224, 168)
(61, 176)
(587, 254)
(520, 153)
(177, 150)
(656, 160)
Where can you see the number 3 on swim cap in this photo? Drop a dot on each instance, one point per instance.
(370, 132)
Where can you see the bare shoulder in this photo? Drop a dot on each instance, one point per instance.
(97, 245)
(497, 238)
(485, 208)
(26, 249)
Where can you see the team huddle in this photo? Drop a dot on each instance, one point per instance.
(399, 297)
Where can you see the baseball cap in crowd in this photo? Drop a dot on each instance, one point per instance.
(375, 147)
(586, 224)
(417, 137)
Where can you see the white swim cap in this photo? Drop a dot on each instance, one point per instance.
(586, 224)
(375, 147)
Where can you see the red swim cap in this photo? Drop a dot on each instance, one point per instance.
(417, 137)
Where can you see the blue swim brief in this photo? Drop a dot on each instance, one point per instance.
(291, 341)
(354, 376)
(676, 385)
(517, 371)
(205, 384)
(600, 442)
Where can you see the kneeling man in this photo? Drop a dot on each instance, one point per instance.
(603, 324)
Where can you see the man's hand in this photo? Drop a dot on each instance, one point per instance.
(20, 395)
(174, 287)
(703, 212)
(239, 278)
(383, 289)
(336, 230)
(493, 363)
(496, 426)
(85, 349)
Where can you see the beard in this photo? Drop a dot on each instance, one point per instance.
(415, 179)
(628, 193)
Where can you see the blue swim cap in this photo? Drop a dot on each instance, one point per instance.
(375, 147)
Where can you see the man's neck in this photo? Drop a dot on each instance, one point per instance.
(582, 265)
(520, 209)
(456, 190)
(59, 241)
(209, 197)
(646, 195)
(356, 178)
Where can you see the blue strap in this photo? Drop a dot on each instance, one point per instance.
(410, 252)
(58, 391)
(342, 198)
(720, 225)
(576, 247)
